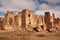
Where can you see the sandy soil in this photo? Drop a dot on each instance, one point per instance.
(18, 35)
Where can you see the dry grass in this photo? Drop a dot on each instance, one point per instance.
(29, 36)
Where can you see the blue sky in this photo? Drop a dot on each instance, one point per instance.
(38, 6)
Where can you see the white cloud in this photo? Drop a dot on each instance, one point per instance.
(18, 4)
(44, 6)
(29, 4)
(53, 1)
(4, 9)
(57, 8)
(41, 12)
(47, 8)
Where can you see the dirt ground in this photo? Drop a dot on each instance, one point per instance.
(18, 35)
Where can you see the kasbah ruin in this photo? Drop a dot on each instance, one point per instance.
(27, 21)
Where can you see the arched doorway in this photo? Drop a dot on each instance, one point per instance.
(10, 21)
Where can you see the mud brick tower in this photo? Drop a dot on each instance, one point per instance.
(47, 21)
(28, 19)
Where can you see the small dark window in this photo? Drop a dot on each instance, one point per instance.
(28, 15)
(29, 22)
(42, 27)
